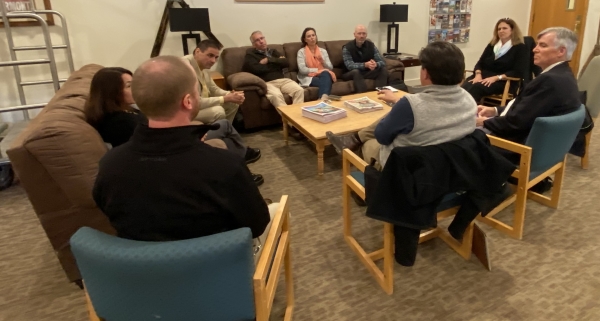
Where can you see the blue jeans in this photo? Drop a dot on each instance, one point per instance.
(324, 82)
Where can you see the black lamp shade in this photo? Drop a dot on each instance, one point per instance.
(189, 19)
(393, 13)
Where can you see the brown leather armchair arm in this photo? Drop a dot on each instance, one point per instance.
(393, 65)
(244, 81)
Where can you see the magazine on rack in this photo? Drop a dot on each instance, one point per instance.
(363, 105)
(322, 112)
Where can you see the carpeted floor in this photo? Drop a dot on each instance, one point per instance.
(552, 274)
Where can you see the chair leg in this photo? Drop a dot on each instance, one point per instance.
(388, 258)
(585, 160)
(520, 201)
(462, 248)
(519, 217)
(289, 284)
(557, 185)
(346, 210)
(90, 308)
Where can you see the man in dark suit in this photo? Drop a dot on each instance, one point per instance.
(553, 92)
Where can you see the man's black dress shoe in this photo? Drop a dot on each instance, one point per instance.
(252, 155)
(340, 142)
(258, 179)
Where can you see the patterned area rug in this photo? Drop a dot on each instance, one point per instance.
(552, 274)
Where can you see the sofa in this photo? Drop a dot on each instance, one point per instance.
(56, 159)
(257, 110)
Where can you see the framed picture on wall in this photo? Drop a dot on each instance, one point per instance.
(25, 5)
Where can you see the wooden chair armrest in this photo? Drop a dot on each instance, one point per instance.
(349, 158)
(522, 173)
(270, 245)
(512, 79)
(508, 145)
(271, 260)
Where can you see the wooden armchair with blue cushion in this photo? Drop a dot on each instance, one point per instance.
(353, 180)
(207, 278)
(543, 154)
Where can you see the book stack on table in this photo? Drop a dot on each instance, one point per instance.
(324, 113)
(363, 105)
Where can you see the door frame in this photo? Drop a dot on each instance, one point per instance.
(579, 37)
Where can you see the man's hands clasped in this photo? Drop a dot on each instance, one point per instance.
(236, 97)
(371, 64)
(483, 113)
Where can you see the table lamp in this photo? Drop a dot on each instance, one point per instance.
(393, 13)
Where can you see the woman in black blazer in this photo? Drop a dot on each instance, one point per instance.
(505, 56)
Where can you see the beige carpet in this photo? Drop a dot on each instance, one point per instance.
(552, 274)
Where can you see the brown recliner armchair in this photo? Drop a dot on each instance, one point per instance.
(257, 110)
(56, 159)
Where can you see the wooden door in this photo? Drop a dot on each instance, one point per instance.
(560, 13)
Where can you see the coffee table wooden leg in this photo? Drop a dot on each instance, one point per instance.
(285, 132)
(320, 163)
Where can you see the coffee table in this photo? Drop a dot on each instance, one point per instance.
(315, 131)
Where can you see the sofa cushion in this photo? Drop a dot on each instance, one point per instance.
(334, 49)
(232, 60)
(291, 52)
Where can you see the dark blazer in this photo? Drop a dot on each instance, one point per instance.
(550, 94)
(272, 70)
(513, 63)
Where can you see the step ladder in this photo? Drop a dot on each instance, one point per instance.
(30, 12)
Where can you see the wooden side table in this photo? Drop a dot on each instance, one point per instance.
(218, 79)
(409, 60)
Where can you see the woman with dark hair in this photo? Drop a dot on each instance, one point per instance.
(110, 109)
(314, 66)
(109, 106)
(505, 56)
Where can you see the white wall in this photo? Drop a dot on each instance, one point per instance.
(121, 33)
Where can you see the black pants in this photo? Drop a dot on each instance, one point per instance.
(358, 77)
(230, 137)
(406, 240)
(478, 90)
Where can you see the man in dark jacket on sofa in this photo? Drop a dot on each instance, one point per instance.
(363, 60)
(269, 64)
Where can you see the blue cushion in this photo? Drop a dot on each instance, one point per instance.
(206, 278)
(449, 201)
(551, 138)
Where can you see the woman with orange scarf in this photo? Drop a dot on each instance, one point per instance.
(314, 66)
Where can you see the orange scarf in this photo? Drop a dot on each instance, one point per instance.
(314, 61)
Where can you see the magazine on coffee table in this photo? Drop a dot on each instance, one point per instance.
(324, 113)
(363, 105)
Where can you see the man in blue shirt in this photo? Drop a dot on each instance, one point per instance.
(441, 113)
